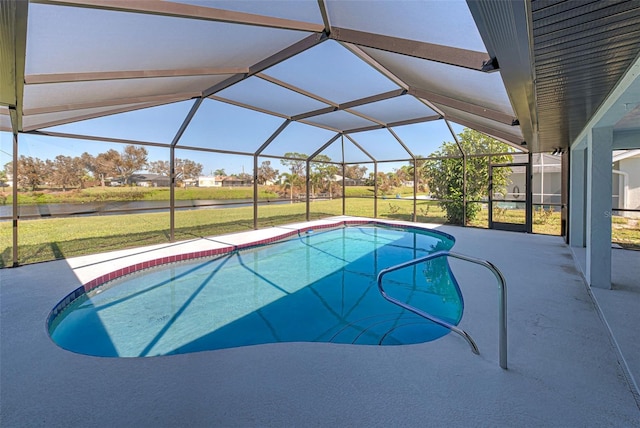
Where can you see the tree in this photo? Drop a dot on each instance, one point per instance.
(394, 178)
(88, 161)
(370, 180)
(316, 180)
(66, 171)
(266, 172)
(220, 172)
(159, 167)
(297, 165)
(103, 165)
(323, 173)
(445, 175)
(295, 162)
(8, 170)
(403, 175)
(132, 159)
(31, 172)
(244, 176)
(186, 169)
(355, 172)
(420, 164)
(384, 183)
(290, 181)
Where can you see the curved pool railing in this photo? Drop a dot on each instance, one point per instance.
(502, 299)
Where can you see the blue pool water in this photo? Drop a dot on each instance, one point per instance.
(318, 287)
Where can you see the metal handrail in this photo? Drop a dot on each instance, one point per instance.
(502, 299)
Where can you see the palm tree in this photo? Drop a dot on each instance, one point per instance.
(421, 164)
(290, 181)
(317, 180)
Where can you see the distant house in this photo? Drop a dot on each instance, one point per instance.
(235, 182)
(210, 181)
(222, 181)
(7, 181)
(626, 181)
(149, 180)
(547, 178)
(189, 182)
(545, 181)
(349, 181)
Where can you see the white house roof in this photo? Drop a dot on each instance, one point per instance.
(626, 154)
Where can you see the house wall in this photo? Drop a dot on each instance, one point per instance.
(235, 183)
(631, 167)
(546, 189)
(208, 182)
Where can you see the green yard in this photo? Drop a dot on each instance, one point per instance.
(56, 238)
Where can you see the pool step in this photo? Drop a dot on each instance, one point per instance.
(391, 329)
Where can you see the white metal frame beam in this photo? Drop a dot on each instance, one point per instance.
(118, 108)
(36, 79)
(474, 109)
(181, 10)
(473, 60)
(150, 100)
(249, 106)
(505, 28)
(509, 139)
(13, 58)
(284, 54)
(293, 88)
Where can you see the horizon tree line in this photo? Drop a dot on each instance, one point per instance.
(68, 172)
(441, 174)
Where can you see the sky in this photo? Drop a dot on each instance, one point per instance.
(328, 70)
(225, 126)
(161, 123)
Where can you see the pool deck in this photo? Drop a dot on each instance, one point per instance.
(573, 355)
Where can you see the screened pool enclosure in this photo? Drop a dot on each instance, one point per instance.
(133, 123)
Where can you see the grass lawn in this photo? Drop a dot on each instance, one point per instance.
(99, 194)
(135, 193)
(57, 238)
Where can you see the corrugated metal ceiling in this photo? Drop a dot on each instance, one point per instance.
(581, 50)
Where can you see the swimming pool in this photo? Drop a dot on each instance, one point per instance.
(317, 286)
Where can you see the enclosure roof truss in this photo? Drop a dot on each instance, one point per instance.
(512, 70)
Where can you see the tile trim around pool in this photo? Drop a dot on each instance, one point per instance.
(213, 252)
(96, 282)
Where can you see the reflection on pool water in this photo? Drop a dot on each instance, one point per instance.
(316, 287)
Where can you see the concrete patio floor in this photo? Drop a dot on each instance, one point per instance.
(565, 368)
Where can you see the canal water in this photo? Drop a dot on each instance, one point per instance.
(115, 207)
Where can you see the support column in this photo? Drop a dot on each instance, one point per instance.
(415, 189)
(599, 181)
(255, 192)
(529, 196)
(344, 206)
(375, 189)
(14, 194)
(577, 192)
(172, 193)
(308, 186)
